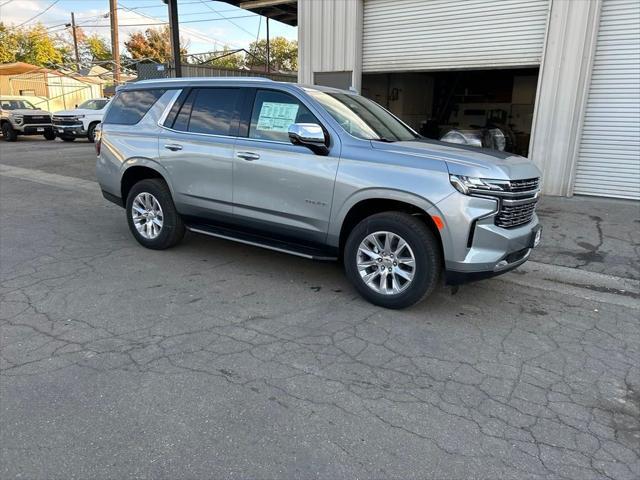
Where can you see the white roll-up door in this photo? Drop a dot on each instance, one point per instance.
(406, 35)
(609, 153)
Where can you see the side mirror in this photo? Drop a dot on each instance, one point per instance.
(309, 135)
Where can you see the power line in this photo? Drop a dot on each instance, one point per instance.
(226, 18)
(162, 22)
(37, 15)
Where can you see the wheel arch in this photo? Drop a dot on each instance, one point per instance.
(387, 202)
(138, 170)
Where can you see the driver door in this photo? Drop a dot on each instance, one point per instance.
(279, 187)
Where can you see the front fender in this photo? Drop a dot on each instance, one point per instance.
(373, 193)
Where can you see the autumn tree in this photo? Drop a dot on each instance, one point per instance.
(154, 44)
(98, 48)
(33, 45)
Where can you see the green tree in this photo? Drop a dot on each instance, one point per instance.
(283, 54)
(153, 43)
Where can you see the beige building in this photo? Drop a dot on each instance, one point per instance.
(47, 89)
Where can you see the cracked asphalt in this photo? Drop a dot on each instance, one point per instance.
(218, 360)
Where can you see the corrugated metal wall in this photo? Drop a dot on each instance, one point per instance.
(609, 153)
(448, 34)
(329, 38)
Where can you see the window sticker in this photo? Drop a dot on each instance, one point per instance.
(276, 117)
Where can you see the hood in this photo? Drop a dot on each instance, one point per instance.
(466, 160)
(29, 111)
(70, 113)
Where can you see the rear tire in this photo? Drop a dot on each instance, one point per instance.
(382, 279)
(8, 133)
(172, 229)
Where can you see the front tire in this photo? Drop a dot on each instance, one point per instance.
(8, 133)
(67, 138)
(49, 135)
(393, 259)
(152, 216)
(91, 133)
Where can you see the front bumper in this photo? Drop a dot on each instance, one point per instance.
(474, 246)
(33, 129)
(76, 130)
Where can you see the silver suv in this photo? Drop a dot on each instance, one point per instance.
(315, 172)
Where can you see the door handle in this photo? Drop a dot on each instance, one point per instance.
(248, 156)
(174, 147)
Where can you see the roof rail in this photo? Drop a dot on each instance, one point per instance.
(208, 79)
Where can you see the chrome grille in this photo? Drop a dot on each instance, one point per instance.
(524, 185)
(65, 120)
(511, 216)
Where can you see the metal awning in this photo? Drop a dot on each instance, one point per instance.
(285, 11)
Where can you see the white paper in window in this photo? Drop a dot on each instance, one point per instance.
(276, 117)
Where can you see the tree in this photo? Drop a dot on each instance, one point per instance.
(31, 45)
(8, 44)
(98, 48)
(154, 44)
(283, 54)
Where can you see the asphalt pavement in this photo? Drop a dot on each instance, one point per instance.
(219, 360)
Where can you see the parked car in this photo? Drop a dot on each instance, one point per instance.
(81, 121)
(316, 172)
(20, 117)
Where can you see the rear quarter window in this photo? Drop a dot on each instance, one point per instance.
(129, 107)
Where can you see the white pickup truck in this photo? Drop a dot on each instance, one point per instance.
(81, 121)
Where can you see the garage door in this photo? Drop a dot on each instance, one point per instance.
(446, 34)
(609, 155)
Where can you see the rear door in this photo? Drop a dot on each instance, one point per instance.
(279, 187)
(196, 147)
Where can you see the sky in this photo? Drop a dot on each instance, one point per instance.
(202, 22)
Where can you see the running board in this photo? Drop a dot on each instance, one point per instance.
(263, 242)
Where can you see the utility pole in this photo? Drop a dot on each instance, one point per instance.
(174, 34)
(115, 43)
(75, 40)
(268, 49)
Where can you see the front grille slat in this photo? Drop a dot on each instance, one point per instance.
(511, 216)
(35, 119)
(514, 216)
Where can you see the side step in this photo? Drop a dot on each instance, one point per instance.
(303, 251)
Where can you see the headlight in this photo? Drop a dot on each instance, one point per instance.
(470, 185)
(78, 117)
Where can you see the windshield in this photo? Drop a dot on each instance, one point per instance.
(16, 105)
(363, 118)
(93, 104)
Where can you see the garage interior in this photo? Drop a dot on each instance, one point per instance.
(434, 103)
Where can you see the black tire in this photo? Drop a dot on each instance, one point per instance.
(91, 133)
(426, 250)
(49, 135)
(67, 138)
(8, 133)
(172, 230)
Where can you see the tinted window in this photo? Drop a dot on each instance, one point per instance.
(274, 112)
(213, 111)
(362, 117)
(129, 107)
(182, 118)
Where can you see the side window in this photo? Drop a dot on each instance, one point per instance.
(274, 112)
(129, 107)
(214, 111)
